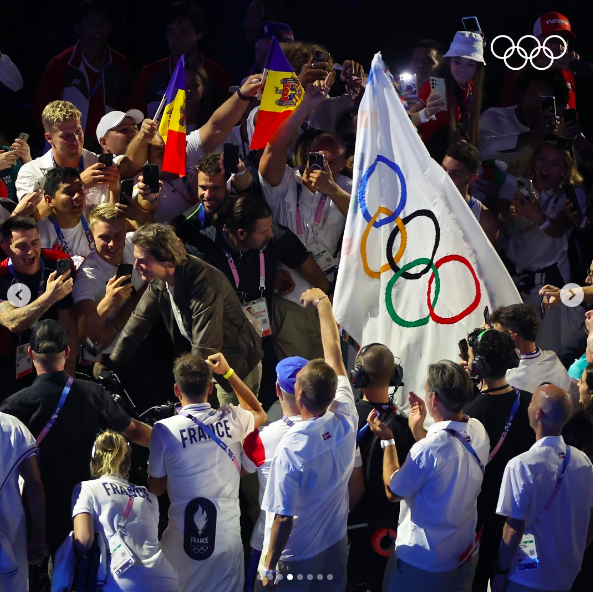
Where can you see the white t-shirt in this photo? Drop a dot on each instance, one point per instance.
(16, 445)
(476, 207)
(282, 200)
(194, 150)
(440, 482)
(39, 167)
(498, 134)
(560, 533)
(309, 476)
(95, 272)
(258, 451)
(105, 499)
(536, 368)
(76, 238)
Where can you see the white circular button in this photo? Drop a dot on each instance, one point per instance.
(572, 295)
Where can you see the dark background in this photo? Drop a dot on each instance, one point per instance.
(35, 30)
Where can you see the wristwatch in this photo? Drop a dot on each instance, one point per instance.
(268, 574)
(385, 443)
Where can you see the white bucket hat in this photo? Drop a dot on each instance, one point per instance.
(467, 45)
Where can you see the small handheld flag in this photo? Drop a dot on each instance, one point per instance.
(172, 126)
(282, 94)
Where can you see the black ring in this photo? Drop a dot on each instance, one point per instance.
(437, 239)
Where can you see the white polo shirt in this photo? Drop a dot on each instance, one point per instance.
(258, 451)
(309, 476)
(440, 482)
(498, 134)
(282, 200)
(560, 533)
(536, 368)
(105, 499)
(39, 167)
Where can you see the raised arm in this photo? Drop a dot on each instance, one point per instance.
(330, 338)
(137, 153)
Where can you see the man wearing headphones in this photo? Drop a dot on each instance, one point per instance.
(375, 372)
(502, 409)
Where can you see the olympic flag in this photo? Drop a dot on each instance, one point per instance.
(417, 270)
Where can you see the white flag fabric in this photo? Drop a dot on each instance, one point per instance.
(417, 271)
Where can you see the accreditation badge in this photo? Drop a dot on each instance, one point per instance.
(257, 313)
(527, 553)
(322, 257)
(121, 556)
(24, 363)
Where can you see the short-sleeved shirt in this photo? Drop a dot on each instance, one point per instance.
(283, 199)
(76, 239)
(65, 451)
(560, 533)
(309, 477)
(439, 483)
(105, 499)
(536, 368)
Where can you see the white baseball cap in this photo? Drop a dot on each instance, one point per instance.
(114, 118)
(467, 44)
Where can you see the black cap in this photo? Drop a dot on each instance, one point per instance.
(48, 337)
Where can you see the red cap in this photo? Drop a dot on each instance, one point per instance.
(552, 23)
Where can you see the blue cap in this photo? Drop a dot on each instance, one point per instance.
(286, 372)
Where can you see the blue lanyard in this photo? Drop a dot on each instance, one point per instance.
(54, 416)
(201, 216)
(41, 289)
(214, 437)
(80, 163)
(468, 447)
(507, 425)
(559, 479)
(97, 85)
(287, 421)
(62, 240)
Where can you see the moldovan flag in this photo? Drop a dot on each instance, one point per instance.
(282, 93)
(417, 271)
(172, 126)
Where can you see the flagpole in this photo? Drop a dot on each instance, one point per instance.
(160, 108)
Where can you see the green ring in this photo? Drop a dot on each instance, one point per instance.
(389, 296)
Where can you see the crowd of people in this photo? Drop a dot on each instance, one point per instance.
(178, 410)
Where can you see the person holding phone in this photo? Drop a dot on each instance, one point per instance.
(458, 115)
(12, 158)
(30, 289)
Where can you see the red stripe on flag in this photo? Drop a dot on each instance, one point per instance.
(174, 159)
(267, 123)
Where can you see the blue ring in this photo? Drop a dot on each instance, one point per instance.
(363, 189)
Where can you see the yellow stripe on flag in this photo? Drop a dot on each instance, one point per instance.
(174, 116)
(287, 92)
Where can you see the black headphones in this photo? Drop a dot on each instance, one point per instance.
(480, 368)
(359, 377)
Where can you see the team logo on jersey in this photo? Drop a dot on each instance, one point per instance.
(326, 436)
(199, 536)
(290, 91)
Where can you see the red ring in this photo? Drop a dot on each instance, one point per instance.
(452, 320)
(378, 537)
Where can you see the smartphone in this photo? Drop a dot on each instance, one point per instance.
(525, 186)
(408, 84)
(63, 265)
(570, 115)
(125, 269)
(463, 350)
(106, 159)
(438, 85)
(316, 161)
(548, 103)
(320, 56)
(486, 315)
(39, 183)
(231, 157)
(150, 173)
(23, 136)
(470, 23)
(126, 190)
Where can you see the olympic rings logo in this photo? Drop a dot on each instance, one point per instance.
(198, 548)
(533, 54)
(393, 260)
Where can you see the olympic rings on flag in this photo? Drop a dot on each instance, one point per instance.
(523, 53)
(452, 320)
(395, 232)
(363, 191)
(363, 245)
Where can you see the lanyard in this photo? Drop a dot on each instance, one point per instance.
(41, 289)
(97, 85)
(54, 416)
(287, 421)
(215, 438)
(319, 221)
(122, 521)
(507, 425)
(201, 216)
(80, 163)
(468, 447)
(262, 271)
(559, 479)
(62, 240)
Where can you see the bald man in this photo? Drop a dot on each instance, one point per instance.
(546, 496)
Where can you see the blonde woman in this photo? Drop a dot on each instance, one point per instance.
(126, 516)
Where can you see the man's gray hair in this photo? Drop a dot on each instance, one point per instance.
(451, 384)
